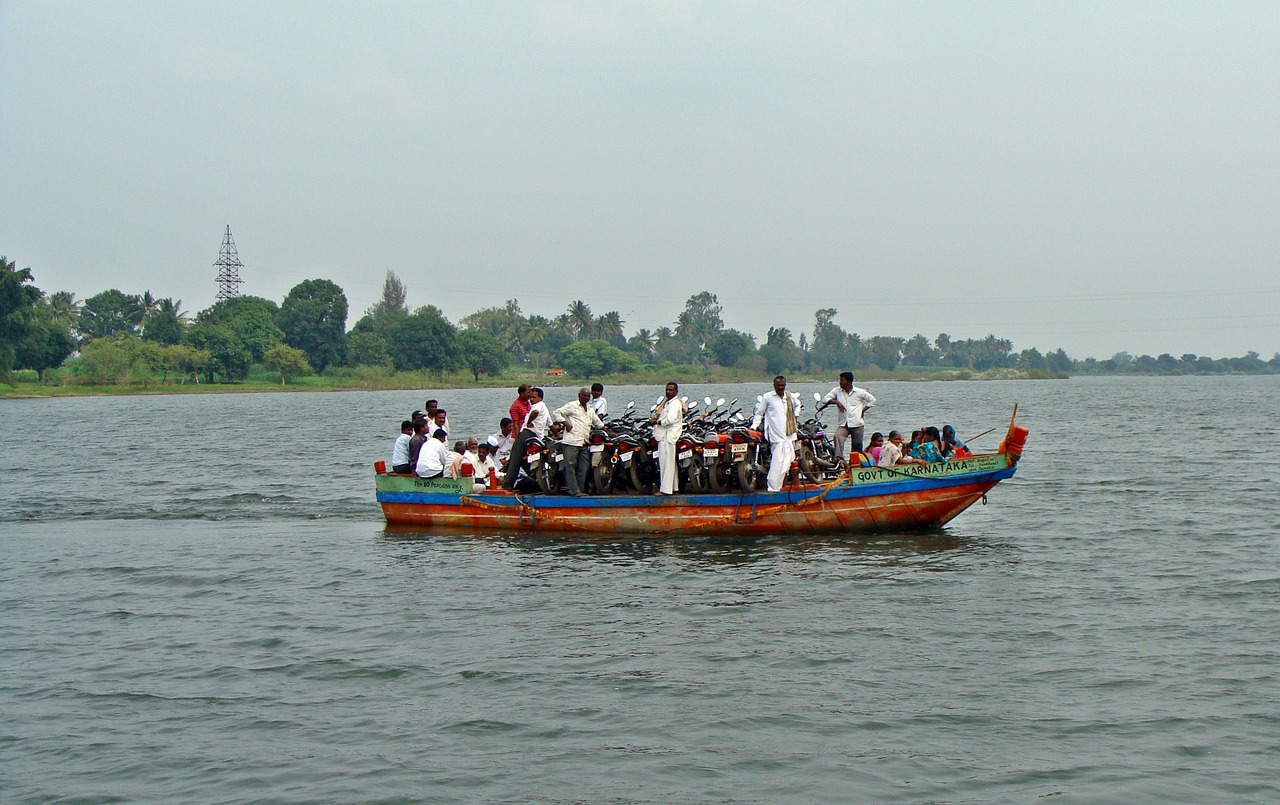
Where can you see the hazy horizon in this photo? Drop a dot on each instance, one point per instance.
(1100, 178)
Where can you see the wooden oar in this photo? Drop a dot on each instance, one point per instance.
(980, 435)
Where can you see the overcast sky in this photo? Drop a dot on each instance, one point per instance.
(1095, 176)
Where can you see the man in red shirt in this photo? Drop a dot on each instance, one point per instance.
(519, 410)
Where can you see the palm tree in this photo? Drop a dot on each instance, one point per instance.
(146, 306)
(66, 310)
(563, 324)
(580, 318)
(645, 339)
(535, 331)
(609, 326)
(166, 321)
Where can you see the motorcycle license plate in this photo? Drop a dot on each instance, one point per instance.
(533, 460)
(738, 448)
(559, 457)
(710, 452)
(626, 458)
(655, 453)
(597, 448)
(684, 454)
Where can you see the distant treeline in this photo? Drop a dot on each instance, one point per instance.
(118, 338)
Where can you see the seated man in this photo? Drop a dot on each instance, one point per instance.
(457, 458)
(400, 451)
(434, 457)
(478, 454)
(500, 443)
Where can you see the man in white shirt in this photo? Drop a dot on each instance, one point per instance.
(778, 411)
(668, 423)
(478, 454)
(852, 403)
(598, 403)
(500, 442)
(400, 451)
(434, 457)
(579, 418)
(439, 421)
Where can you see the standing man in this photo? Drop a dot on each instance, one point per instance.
(438, 421)
(598, 403)
(852, 403)
(668, 423)
(535, 423)
(432, 406)
(578, 417)
(778, 411)
(519, 410)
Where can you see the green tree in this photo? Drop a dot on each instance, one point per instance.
(18, 298)
(482, 353)
(48, 341)
(828, 350)
(609, 328)
(165, 322)
(781, 353)
(66, 310)
(1059, 361)
(110, 313)
(102, 362)
(884, 351)
(313, 318)
(251, 319)
(229, 358)
(730, 346)
(700, 320)
(367, 349)
(917, 351)
(580, 319)
(595, 357)
(286, 360)
(642, 343)
(185, 360)
(424, 340)
(393, 299)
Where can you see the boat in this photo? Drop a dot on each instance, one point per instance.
(861, 500)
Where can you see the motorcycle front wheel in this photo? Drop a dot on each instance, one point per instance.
(808, 466)
(547, 476)
(602, 474)
(746, 475)
(638, 480)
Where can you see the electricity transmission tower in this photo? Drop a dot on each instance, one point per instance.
(229, 266)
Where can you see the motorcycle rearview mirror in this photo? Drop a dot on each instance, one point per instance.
(759, 398)
(707, 400)
(719, 402)
(817, 397)
(693, 405)
(631, 405)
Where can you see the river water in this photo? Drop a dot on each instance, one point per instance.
(200, 602)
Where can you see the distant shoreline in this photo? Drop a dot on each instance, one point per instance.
(455, 381)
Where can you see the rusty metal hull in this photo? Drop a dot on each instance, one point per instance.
(867, 501)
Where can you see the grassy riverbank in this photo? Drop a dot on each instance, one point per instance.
(379, 380)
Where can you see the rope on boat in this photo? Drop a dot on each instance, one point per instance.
(526, 509)
(534, 513)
